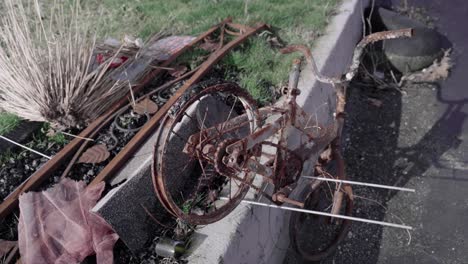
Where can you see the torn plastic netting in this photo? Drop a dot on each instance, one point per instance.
(56, 226)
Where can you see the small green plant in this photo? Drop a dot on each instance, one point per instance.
(186, 207)
(7, 156)
(8, 122)
(193, 57)
(41, 141)
(56, 137)
(189, 204)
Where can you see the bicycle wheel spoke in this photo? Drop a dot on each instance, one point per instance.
(230, 112)
(187, 164)
(201, 125)
(230, 188)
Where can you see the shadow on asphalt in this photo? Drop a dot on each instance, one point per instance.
(372, 155)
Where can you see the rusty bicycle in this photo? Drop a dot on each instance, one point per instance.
(215, 145)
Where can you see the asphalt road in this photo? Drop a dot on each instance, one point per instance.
(416, 139)
(433, 138)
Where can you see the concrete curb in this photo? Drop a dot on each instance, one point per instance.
(259, 234)
(124, 206)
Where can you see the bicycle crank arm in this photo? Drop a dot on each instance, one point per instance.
(231, 126)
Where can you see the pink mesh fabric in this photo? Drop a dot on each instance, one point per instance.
(56, 226)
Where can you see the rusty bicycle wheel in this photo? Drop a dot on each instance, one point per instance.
(188, 174)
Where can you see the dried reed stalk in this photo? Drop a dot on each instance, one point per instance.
(48, 70)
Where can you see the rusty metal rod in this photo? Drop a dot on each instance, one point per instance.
(352, 69)
(357, 219)
(361, 183)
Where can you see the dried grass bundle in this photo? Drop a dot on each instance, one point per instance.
(48, 70)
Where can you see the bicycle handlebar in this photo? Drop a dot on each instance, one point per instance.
(352, 69)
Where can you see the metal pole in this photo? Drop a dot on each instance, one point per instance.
(30, 149)
(357, 219)
(71, 135)
(361, 183)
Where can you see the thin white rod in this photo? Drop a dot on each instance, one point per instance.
(30, 149)
(71, 135)
(361, 183)
(357, 219)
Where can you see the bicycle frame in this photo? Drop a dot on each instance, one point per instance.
(229, 155)
(291, 115)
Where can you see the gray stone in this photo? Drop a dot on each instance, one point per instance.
(415, 53)
(410, 54)
(392, 20)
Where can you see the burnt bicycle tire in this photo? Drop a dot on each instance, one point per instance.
(312, 197)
